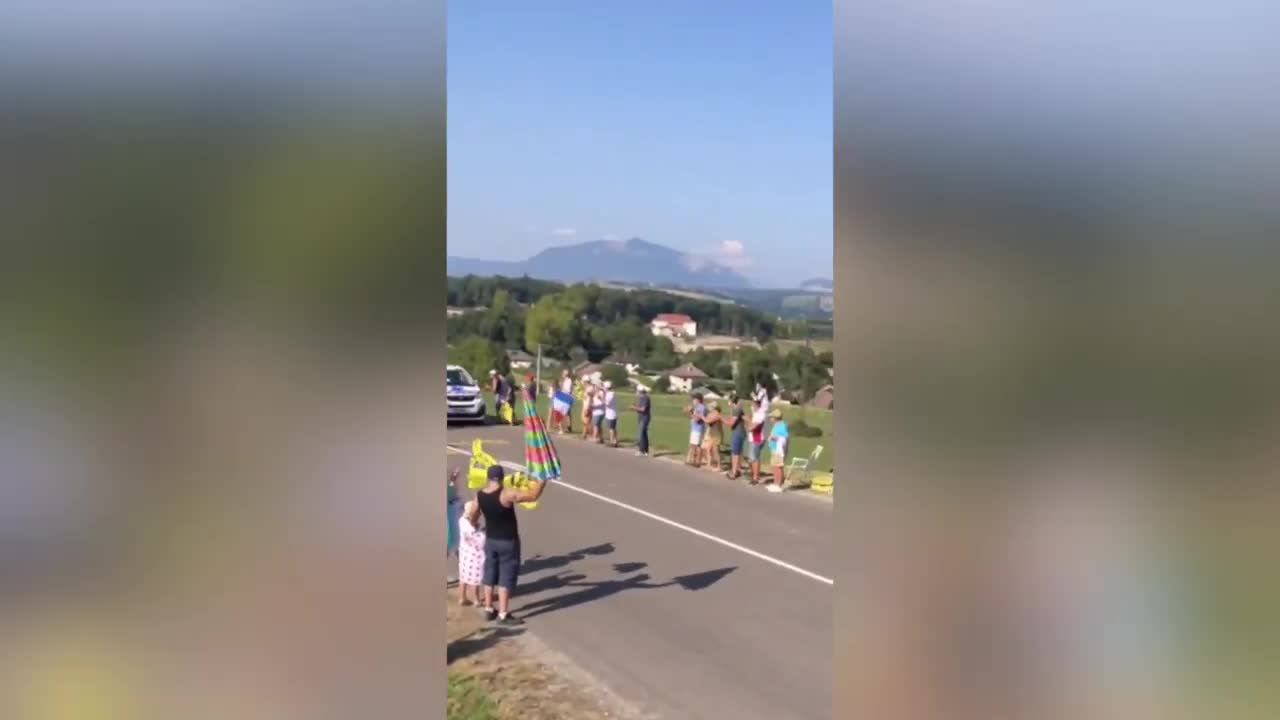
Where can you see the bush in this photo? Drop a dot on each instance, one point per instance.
(615, 374)
(800, 428)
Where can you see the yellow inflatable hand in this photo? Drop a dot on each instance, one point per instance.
(481, 461)
(519, 481)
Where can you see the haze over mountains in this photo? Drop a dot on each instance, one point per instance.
(630, 261)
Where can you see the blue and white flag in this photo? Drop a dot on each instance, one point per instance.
(562, 402)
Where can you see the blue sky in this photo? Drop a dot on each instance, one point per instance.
(705, 126)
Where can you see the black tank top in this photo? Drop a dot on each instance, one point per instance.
(499, 521)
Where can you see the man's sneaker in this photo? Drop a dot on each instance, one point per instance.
(490, 614)
(775, 488)
(510, 620)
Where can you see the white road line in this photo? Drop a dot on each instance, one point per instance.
(672, 523)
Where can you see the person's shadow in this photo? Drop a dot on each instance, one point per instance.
(592, 591)
(553, 562)
(477, 641)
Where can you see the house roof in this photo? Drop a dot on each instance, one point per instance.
(520, 355)
(673, 318)
(687, 372)
(587, 369)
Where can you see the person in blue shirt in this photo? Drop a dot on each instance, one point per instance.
(451, 513)
(779, 436)
(697, 413)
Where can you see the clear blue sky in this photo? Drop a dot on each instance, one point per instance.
(705, 125)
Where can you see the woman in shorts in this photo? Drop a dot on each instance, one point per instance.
(714, 436)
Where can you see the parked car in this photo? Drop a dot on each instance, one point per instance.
(465, 401)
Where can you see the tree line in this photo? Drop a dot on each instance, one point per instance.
(595, 305)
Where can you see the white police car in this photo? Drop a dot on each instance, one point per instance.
(465, 401)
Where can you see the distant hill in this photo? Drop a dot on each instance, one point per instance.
(790, 304)
(818, 284)
(634, 261)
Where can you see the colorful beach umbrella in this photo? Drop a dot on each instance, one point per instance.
(539, 453)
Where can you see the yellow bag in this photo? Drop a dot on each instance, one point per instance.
(508, 415)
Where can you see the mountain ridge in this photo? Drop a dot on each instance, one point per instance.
(632, 261)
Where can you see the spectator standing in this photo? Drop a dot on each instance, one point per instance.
(451, 513)
(779, 436)
(470, 555)
(611, 412)
(597, 409)
(587, 392)
(697, 413)
(643, 410)
(758, 419)
(737, 435)
(714, 436)
(502, 542)
(566, 388)
(501, 388)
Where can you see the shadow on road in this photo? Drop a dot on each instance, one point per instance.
(553, 562)
(477, 641)
(598, 590)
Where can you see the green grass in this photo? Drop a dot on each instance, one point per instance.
(469, 701)
(669, 428)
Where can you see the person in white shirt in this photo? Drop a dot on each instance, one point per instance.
(611, 413)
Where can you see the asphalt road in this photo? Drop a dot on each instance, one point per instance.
(688, 595)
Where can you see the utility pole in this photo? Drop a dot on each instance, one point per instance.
(538, 371)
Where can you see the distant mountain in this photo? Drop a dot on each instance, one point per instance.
(818, 284)
(632, 261)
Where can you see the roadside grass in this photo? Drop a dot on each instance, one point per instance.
(669, 428)
(468, 700)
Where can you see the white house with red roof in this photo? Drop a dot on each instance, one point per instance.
(674, 325)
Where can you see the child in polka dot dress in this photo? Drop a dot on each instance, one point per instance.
(470, 554)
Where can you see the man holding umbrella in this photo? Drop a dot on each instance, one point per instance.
(498, 503)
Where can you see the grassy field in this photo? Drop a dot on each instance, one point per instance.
(669, 428)
(468, 700)
(819, 346)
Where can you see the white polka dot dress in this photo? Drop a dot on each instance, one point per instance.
(470, 553)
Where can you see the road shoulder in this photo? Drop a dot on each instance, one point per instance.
(524, 677)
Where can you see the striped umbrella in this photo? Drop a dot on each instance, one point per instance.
(539, 453)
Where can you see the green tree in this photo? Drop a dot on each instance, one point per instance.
(827, 358)
(480, 355)
(497, 319)
(631, 339)
(663, 355)
(754, 366)
(552, 322)
(615, 374)
(803, 373)
(662, 384)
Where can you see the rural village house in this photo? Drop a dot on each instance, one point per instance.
(674, 325)
(683, 378)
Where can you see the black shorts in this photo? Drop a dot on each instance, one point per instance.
(611, 423)
(501, 563)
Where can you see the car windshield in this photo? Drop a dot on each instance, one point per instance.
(458, 376)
